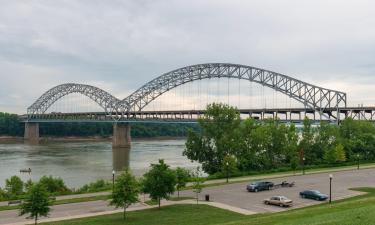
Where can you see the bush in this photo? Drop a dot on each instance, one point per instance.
(99, 185)
(3, 195)
(54, 185)
(14, 186)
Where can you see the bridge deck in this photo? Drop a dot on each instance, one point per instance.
(188, 116)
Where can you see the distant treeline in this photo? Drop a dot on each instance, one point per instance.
(11, 126)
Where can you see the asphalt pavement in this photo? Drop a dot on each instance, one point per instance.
(236, 194)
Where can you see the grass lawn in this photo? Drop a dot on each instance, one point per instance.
(167, 215)
(358, 210)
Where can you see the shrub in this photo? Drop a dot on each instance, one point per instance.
(99, 185)
(54, 185)
(14, 186)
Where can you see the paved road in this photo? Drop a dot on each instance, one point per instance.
(236, 194)
(65, 210)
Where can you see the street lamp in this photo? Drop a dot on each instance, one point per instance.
(357, 161)
(113, 180)
(330, 188)
(227, 168)
(303, 165)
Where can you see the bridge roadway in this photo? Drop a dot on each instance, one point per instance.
(293, 115)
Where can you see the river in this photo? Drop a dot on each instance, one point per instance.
(82, 162)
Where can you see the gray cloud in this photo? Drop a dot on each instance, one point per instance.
(120, 45)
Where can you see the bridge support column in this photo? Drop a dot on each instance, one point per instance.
(31, 134)
(121, 135)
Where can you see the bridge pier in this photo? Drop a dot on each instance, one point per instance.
(31, 135)
(121, 135)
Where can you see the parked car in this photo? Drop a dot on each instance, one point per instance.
(279, 200)
(313, 194)
(260, 186)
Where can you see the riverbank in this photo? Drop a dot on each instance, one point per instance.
(16, 139)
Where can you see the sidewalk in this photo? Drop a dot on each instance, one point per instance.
(63, 197)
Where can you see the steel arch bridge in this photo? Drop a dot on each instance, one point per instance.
(313, 97)
(101, 97)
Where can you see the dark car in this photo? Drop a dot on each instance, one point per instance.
(260, 186)
(313, 194)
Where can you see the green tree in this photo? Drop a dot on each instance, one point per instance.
(326, 137)
(330, 155)
(54, 185)
(198, 181)
(36, 202)
(125, 191)
(307, 141)
(248, 145)
(340, 153)
(3, 195)
(217, 139)
(229, 166)
(29, 183)
(182, 177)
(160, 181)
(14, 186)
(294, 164)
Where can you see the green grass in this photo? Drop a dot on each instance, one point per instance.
(65, 201)
(168, 215)
(357, 210)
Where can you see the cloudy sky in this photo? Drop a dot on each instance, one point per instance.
(120, 45)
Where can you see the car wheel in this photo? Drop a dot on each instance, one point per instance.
(281, 205)
(317, 199)
(266, 202)
(256, 190)
(269, 188)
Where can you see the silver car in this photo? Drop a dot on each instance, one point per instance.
(279, 200)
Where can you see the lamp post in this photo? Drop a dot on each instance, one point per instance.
(330, 188)
(227, 170)
(357, 161)
(303, 165)
(113, 180)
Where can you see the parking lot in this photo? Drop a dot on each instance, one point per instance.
(236, 194)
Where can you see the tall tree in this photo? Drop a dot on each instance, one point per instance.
(307, 141)
(182, 177)
(229, 166)
(326, 138)
(125, 191)
(198, 181)
(14, 186)
(217, 138)
(36, 202)
(159, 181)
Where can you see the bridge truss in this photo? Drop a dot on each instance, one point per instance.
(315, 98)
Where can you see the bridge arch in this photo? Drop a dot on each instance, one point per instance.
(101, 97)
(313, 97)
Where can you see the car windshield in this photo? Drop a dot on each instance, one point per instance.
(283, 198)
(254, 183)
(316, 192)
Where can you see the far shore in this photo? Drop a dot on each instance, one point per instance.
(7, 139)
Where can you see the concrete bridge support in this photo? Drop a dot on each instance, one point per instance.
(121, 135)
(31, 135)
